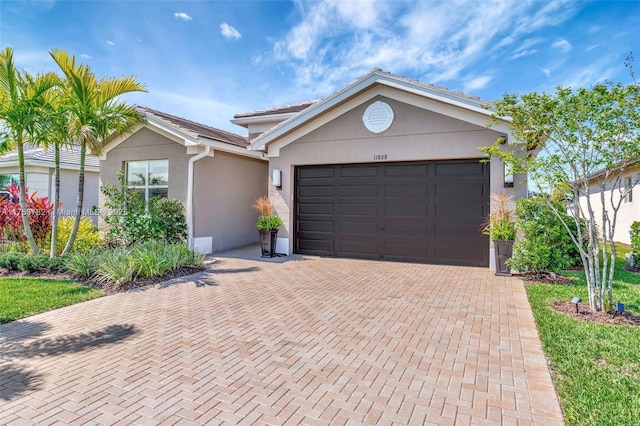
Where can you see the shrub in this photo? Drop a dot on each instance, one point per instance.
(168, 221)
(33, 263)
(130, 223)
(635, 242)
(545, 244)
(10, 260)
(87, 239)
(83, 265)
(116, 267)
(150, 260)
(39, 212)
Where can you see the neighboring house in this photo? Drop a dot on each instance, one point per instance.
(629, 211)
(39, 166)
(385, 168)
(209, 170)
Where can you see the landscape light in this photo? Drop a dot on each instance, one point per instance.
(575, 301)
(619, 309)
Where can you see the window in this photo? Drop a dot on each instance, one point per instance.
(150, 177)
(6, 180)
(630, 190)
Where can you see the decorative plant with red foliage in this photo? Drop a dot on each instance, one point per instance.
(39, 211)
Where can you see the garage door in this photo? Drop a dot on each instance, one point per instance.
(420, 211)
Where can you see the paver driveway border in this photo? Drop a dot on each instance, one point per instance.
(289, 341)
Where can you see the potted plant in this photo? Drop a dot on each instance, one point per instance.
(501, 228)
(268, 224)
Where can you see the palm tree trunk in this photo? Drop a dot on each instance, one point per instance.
(76, 223)
(56, 203)
(23, 200)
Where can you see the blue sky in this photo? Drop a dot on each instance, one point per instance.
(207, 60)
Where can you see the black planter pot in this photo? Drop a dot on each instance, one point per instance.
(503, 249)
(268, 239)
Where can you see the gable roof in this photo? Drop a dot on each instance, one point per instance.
(197, 130)
(478, 107)
(185, 132)
(69, 158)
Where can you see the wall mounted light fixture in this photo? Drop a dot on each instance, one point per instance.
(508, 177)
(277, 178)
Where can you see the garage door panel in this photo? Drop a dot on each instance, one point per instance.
(455, 253)
(426, 211)
(461, 231)
(406, 189)
(406, 210)
(359, 209)
(315, 209)
(316, 191)
(310, 245)
(404, 170)
(358, 227)
(356, 248)
(357, 191)
(358, 171)
(459, 210)
(406, 229)
(315, 226)
(472, 192)
(405, 250)
(311, 172)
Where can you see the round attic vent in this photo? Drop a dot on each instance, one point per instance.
(378, 117)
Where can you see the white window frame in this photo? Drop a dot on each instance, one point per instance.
(146, 187)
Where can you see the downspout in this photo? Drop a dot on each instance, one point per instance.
(192, 160)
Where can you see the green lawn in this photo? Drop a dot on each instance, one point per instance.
(596, 367)
(22, 297)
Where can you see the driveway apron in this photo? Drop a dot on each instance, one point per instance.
(299, 340)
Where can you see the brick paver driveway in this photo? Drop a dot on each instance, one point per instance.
(312, 341)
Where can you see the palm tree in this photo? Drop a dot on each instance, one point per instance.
(57, 121)
(95, 113)
(21, 103)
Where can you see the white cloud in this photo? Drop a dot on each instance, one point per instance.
(85, 56)
(434, 41)
(546, 72)
(229, 32)
(477, 83)
(183, 16)
(110, 43)
(562, 45)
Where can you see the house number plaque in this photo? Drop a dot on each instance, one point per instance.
(377, 157)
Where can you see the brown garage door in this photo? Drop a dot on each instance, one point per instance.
(419, 211)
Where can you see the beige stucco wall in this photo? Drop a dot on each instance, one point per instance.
(146, 144)
(225, 187)
(415, 134)
(628, 213)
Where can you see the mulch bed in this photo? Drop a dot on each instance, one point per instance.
(584, 313)
(633, 268)
(545, 278)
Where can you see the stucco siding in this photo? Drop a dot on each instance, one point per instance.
(629, 211)
(146, 144)
(225, 187)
